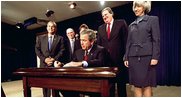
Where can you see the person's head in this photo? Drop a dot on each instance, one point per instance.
(87, 38)
(70, 33)
(107, 15)
(83, 27)
(51, 27)
(141, 8)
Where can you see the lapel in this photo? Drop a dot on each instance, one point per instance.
(145, 18)
(69, 46)
(105, 32)
(90, 55)
(77, 44)
(113, 29)
(45, 40)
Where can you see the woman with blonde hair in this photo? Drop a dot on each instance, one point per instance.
(143, 49)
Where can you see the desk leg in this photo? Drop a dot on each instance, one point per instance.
(26, 89)
(105, 91)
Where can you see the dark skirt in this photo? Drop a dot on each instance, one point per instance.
(141, 73)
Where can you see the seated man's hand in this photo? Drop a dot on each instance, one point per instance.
(73, 64)
(58, 64)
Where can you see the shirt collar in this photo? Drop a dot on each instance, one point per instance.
(72, 39)
(49, 35)
(112, 22)
(145, 18)
(89, 49)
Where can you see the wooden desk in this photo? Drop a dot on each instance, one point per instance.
(100, 79)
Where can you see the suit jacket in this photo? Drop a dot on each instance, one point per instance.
(42, 51)
(97, 57)
(68, 53)
(116, 44)
(144, 38)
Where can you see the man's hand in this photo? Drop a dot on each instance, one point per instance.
(153, 62)
(126, 63)
(73, 64)
(49, 61)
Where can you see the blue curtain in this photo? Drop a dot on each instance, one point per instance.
(169, 68)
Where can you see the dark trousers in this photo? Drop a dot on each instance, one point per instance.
(46, 92)
(70, 94)
(121, 81)
(121, 90)
(121, 87)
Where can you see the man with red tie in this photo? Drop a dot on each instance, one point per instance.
(91, 55)
(112, 35)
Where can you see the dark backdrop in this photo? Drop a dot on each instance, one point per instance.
(18, 44)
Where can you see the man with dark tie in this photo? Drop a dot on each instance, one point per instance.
(49, 48)
(72, 44)
(112, 35)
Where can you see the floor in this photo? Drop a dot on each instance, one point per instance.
(15, 89)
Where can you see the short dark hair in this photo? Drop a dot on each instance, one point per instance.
(109, 10)
(83, 26)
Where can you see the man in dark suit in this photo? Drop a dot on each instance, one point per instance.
(49, 48)
(91, 55)
(112, 35)
(72, 44)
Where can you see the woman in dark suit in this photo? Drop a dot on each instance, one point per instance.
(143, 49)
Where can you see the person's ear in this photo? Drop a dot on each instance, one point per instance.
(92, 42)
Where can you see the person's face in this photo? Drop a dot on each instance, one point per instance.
(107, 17)
(139, 10)
(70, 35)
(85, 42)
(51, 28)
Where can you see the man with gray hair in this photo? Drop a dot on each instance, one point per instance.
(72, 44)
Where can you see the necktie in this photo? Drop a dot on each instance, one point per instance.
(108, 30)
(86, 56)
(50, 42)
(72, 46)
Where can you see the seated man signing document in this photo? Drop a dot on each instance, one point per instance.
(91, 55)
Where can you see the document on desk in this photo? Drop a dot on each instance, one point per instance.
(73, 64)
(67, 65)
